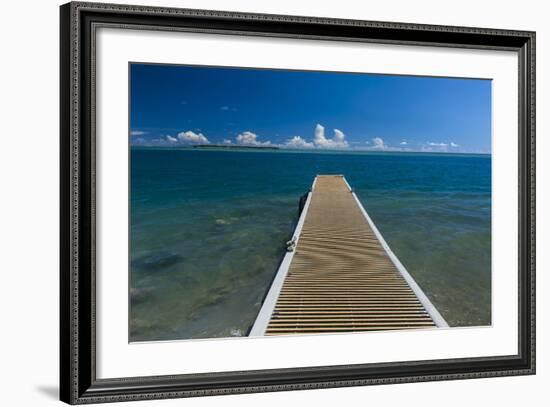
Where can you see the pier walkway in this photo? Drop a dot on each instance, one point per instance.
(340, 275)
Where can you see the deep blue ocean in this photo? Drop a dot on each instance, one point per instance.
(208, 227)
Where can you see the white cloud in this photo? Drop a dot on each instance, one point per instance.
(339, 136)
(192, 138)
(137, 133)
(436, 147)
(403, 143)
(227, 141)
(439, 146)
(248, 138)
(320, 141)
(171, 139)
(378, 143)
(298, 142)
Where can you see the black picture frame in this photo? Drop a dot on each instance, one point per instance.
(78, 382)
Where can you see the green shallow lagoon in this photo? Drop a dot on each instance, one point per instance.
(208, 227)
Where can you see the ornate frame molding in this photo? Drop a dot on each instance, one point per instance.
(78, 380)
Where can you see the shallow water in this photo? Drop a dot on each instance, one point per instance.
(208, 230)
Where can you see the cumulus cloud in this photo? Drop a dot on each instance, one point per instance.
(378, 143)
(248, 138)
(298, 142)
(403, 143)
(137, 133)
(171, 139)
(227, 141)
(190, 137)
(321, 141)
(339, 136)
(454, 145)
(432, 144)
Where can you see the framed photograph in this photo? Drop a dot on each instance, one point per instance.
(255, 203)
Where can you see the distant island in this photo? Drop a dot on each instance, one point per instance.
(229, 146)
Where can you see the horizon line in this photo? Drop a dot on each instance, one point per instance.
(245, 148)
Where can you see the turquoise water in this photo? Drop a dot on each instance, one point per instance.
(208, 230)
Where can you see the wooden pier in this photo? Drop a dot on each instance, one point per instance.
(340, 275)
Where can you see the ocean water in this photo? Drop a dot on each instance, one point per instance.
(208, 227)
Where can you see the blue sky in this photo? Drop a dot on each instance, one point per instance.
(182, 105)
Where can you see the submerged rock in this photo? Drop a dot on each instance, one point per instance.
(226, 221)
(235, 332)
(222, 222)
(140, 294)
(156, 261)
